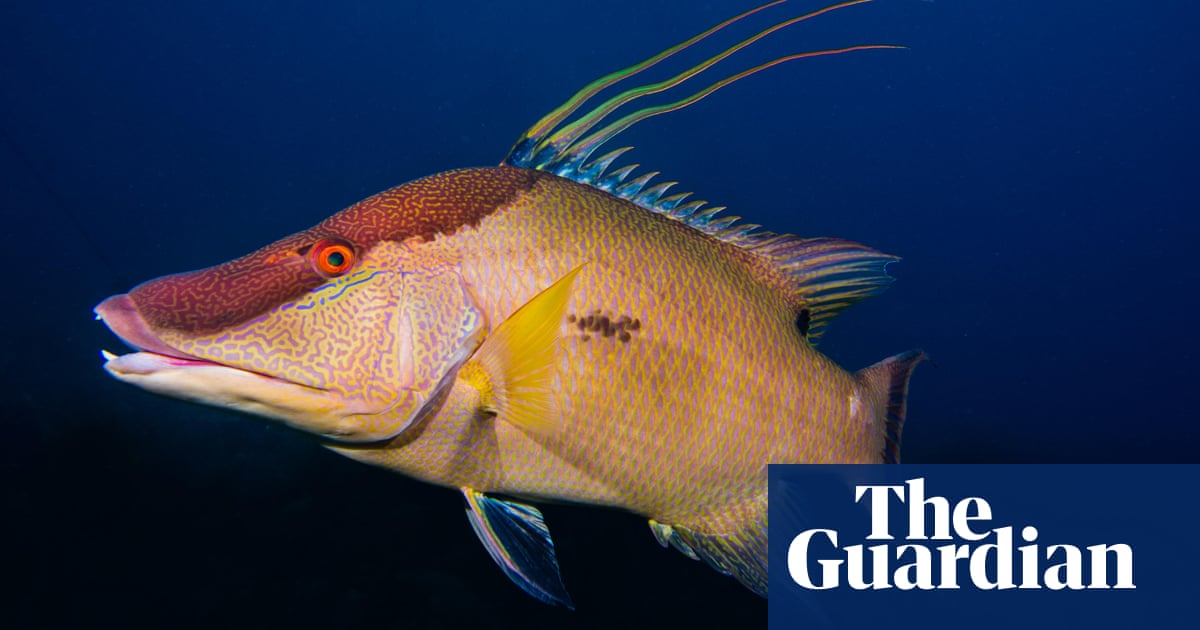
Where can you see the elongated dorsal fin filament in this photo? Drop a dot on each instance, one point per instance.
(582, 148)
(543, 148)
(554, 118)
(568, 134)
(563, 148)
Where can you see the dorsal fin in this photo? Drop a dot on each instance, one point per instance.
(827, 274)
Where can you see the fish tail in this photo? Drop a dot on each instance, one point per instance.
(886, 385)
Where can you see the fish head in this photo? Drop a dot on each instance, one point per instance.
(350, 330)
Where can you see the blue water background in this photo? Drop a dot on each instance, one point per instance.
(1033, 162)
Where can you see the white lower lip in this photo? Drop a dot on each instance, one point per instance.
(308, 409)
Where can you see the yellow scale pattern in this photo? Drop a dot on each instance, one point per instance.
(676, 423)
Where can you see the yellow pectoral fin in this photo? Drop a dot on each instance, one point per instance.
(513, 369)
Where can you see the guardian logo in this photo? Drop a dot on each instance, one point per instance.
(982, 546)
(947, 546)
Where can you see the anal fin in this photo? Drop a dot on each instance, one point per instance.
(516, 536)
(741, 554)
(666, 536)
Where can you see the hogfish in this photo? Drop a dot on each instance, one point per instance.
(553, 328)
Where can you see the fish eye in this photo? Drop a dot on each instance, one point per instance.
(331, 257)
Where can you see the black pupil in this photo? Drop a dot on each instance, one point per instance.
(335, 259)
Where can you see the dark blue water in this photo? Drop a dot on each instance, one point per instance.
(1034, 164)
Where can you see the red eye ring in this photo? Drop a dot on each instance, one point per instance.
(331, 257)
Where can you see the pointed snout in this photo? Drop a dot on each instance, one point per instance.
(121, 316)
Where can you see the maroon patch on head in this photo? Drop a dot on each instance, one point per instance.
(228, 294)
(438, 204)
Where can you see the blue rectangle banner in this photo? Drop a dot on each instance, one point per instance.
(983, 546)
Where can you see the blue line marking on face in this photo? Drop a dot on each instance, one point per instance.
(340, 285)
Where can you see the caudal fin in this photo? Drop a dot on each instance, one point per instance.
(886, 384)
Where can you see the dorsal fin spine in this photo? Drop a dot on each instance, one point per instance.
(719, 225)
(687, 209)
(595, 171)
(701, 219)
(650, 196)
(668, 204)
(630, 189)
(619, 175)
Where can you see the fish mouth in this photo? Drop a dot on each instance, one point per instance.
(150, 354)
(159, 368)
(124, 319)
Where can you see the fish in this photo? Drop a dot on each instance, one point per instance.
(550, 329)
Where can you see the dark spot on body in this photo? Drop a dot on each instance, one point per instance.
(603, 325)
(803, 320)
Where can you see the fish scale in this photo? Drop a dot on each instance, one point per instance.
(683, 306)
